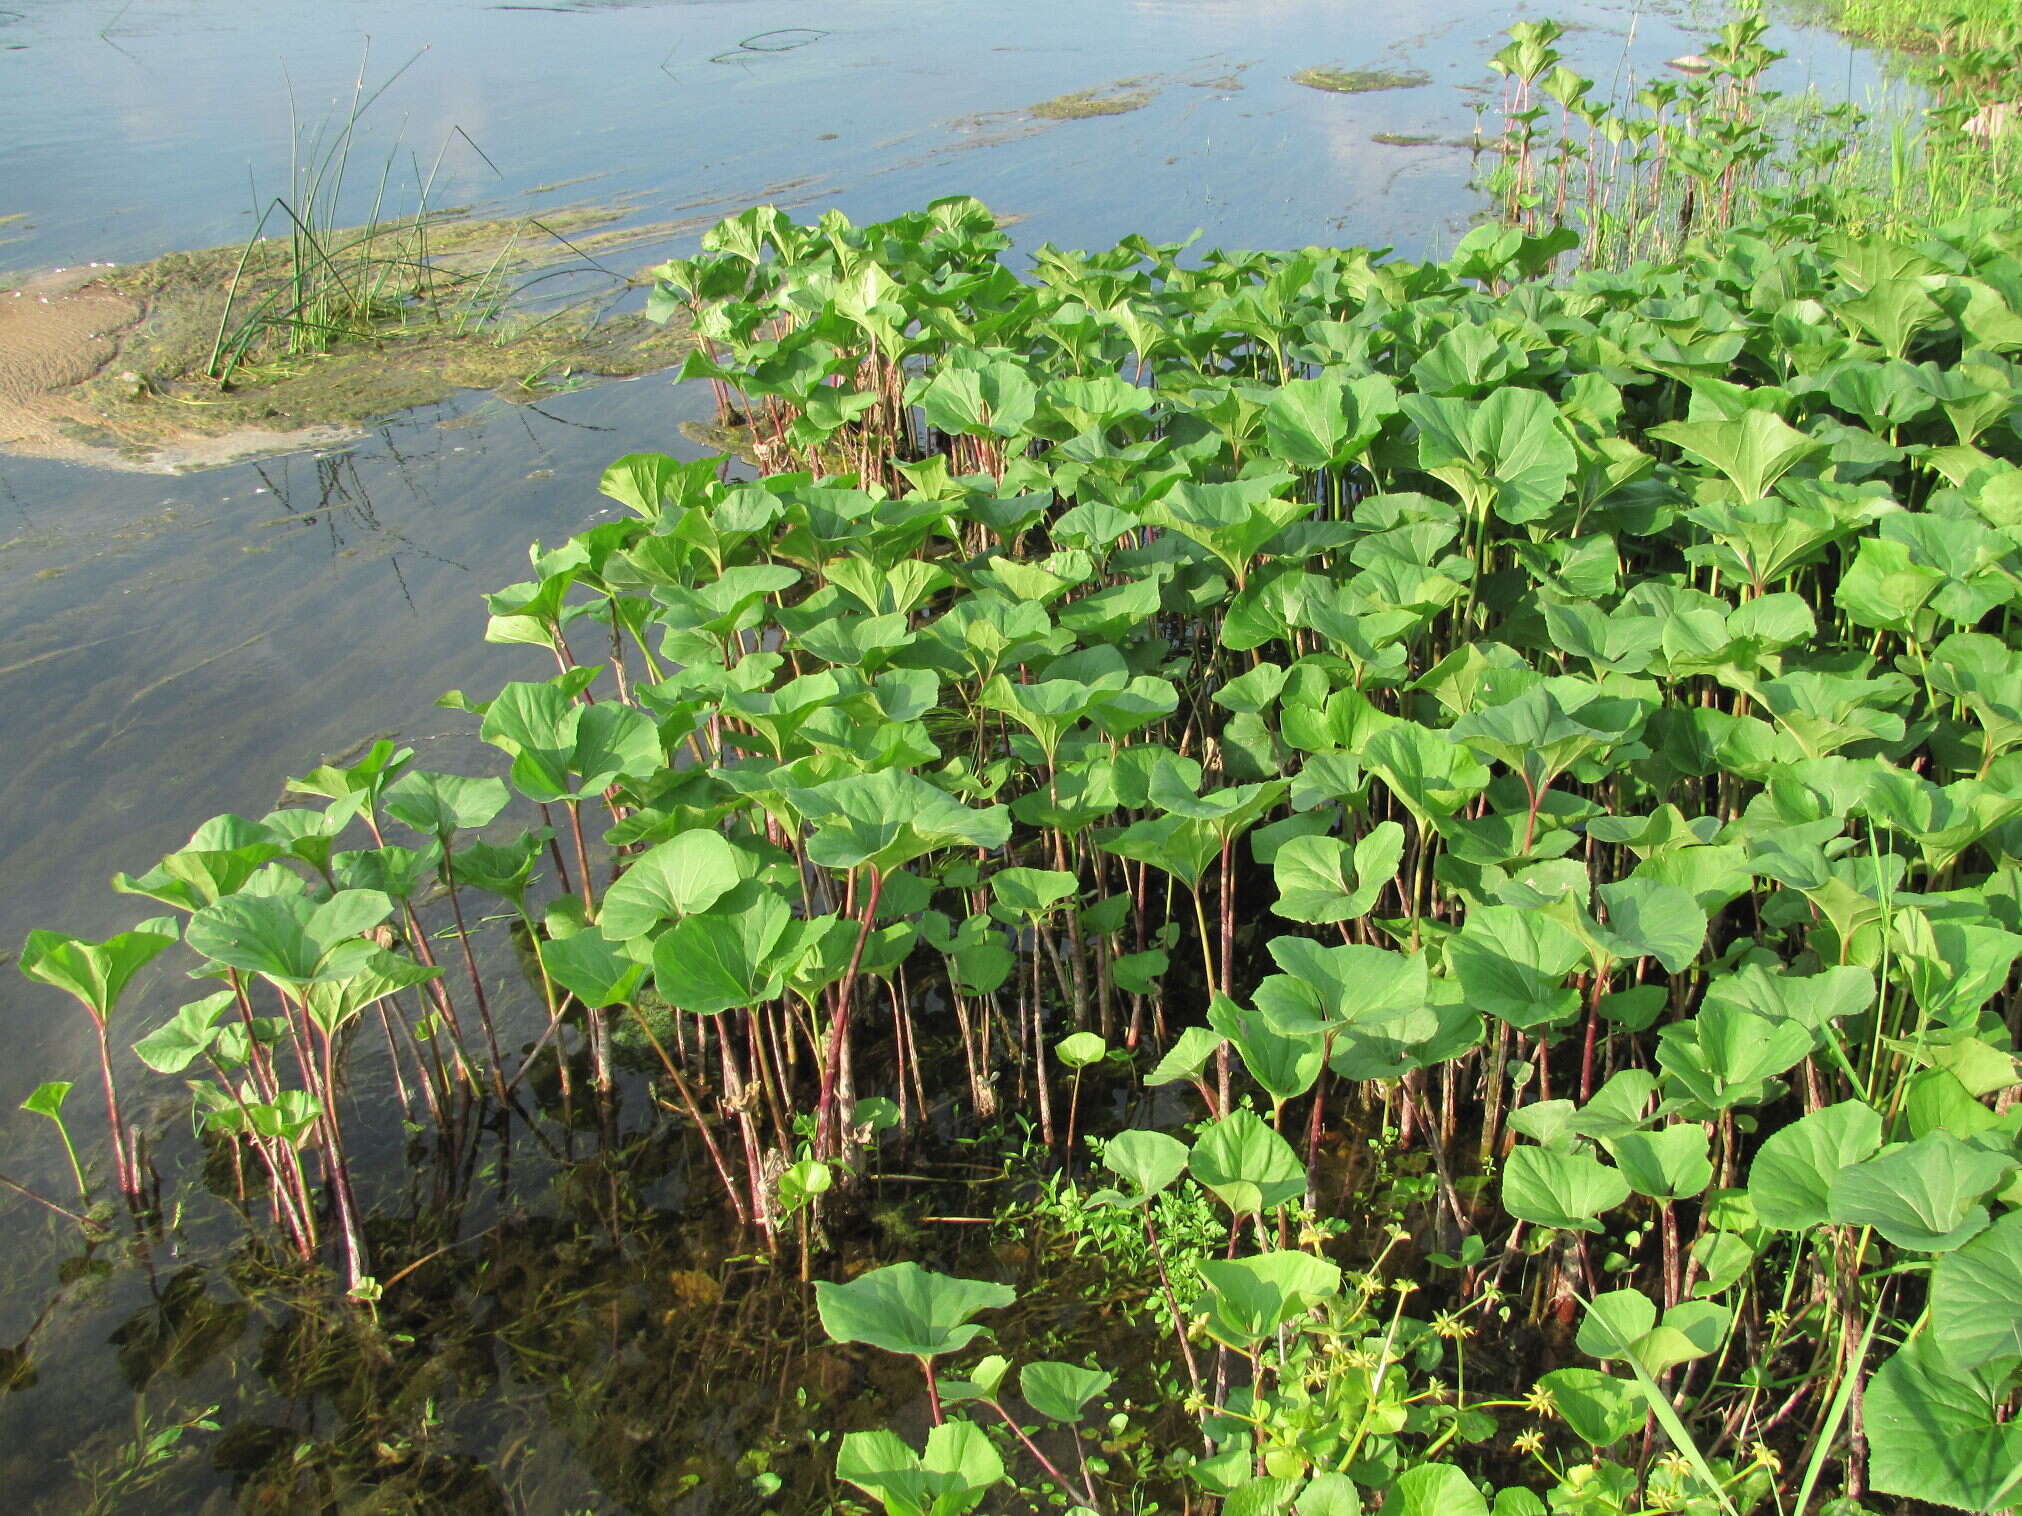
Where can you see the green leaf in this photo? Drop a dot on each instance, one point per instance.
(1060, 1391)
(1321, 880)
(1556, 1188)
(1793, 1172)
(904, 1308)
(287, 938)
(1185, 1059)
(888, 818)
(1600, 1408)
(47, 1098)
(1286, 1066)
(1508, 453)
(1246, 1165)
(1512, 963)
(96, 973)
(1029, 893)
(1670, 1164)
(959, 1469)
(174, 1046)
(1150, 1160)
(1434, 1489)
(1647, 919)
(438, 804)
(1077, 1050)
(679, 877)
(1921, 1195)
(1935, 1433)
(1623, 1324)
(593, 968)
(1249, 1299)
(724, 960)
(1728, 1056)
(1976, 1297)
(1754, 449)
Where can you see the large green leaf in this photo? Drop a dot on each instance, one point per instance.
(679, 877)
(1935, 1432)
(1754, 449)
(96, 973)
(187, 1036)
(888, 818)
(1322, 880)
(1667, 1164)
(1249, 1299)
(1433, 1489)
(1246, 1165)
(724, 960)
(1976, 1297)
(1728, 1056)
(1508, 453)
(1622, 1324)
(1150, 1160)
(1512, 963)
(1922, 1195)
(904, 1308)
(1550, 1187)
(959, 1468)
(1792, 1176)
(288, 938)
(1600, 1408)
(1060, 1391)
(593, 968)
(438, 804)
(1325, 422)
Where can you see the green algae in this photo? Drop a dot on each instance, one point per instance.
(1118, 99)
(1359, 81)
(1421, 139)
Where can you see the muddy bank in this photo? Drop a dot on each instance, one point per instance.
(195, 359)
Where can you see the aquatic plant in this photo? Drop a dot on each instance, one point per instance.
(1531, 762)
(1639, 173)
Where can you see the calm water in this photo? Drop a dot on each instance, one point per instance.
(175, 647)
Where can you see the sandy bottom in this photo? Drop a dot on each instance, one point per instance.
(60, 331)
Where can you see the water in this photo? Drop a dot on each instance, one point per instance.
(171, 647)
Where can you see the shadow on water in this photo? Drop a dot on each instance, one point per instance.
(570, 1327)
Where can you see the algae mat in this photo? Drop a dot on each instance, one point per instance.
(107, 366)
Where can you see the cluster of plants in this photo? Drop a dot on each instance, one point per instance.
(1570, 732)
(1696, 153)
(1944, 26)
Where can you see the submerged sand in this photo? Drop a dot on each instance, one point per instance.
(108, 367)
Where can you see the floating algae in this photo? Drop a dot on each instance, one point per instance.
(1359, 81)
(1422, 139)
(1114, 100)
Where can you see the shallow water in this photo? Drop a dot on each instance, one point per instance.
(175, 647)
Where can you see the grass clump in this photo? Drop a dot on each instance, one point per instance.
(1360, 81)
